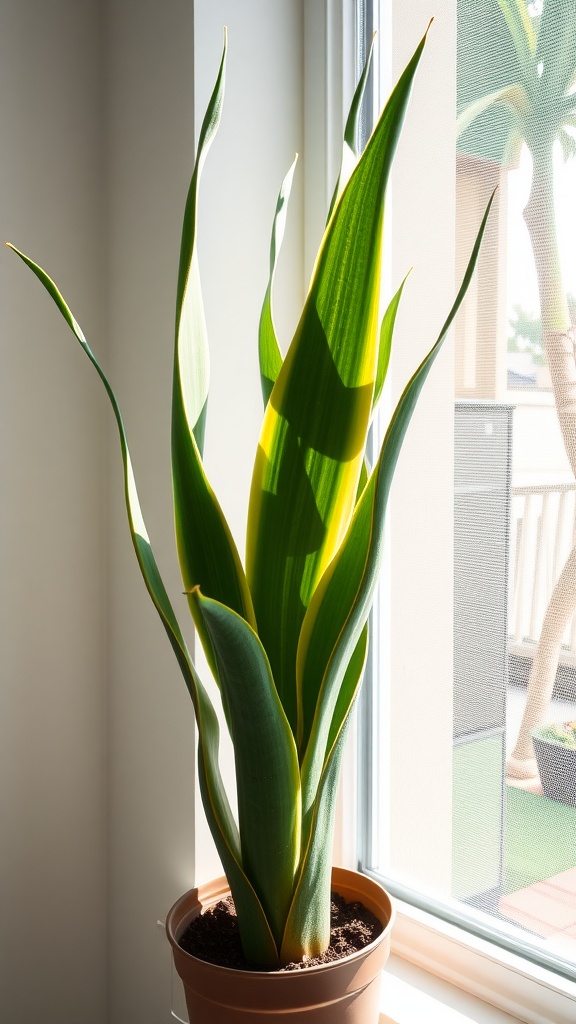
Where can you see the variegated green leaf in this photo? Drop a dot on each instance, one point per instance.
(258, 943)
(269, 349)
(341, 605)
(351, 131)
(307, 930)
(319, 671)
(269, 352)
(267, 770)
(191, 364)
(312, 443)
(261, 947)
(206, 550)
(385, 344)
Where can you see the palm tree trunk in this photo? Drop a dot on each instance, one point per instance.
(559, 346)
(521, 764)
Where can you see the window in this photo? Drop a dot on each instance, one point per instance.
(482, 515)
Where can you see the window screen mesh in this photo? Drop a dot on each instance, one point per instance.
(513, 843)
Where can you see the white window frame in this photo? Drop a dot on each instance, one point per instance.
(505, 980)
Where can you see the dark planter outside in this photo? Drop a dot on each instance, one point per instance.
(557, 768)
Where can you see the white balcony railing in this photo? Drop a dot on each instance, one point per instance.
(542, 533)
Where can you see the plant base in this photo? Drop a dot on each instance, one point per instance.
(345, 991)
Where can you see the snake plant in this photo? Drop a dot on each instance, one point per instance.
(286, 638)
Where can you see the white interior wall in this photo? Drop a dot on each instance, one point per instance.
(52, 649)
(97, 779)
(155, 852)
(261, 130)
(422, 549)
(149, 151)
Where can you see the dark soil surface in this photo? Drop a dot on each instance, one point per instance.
(213, 935)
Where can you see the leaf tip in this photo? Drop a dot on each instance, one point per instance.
(492, 198)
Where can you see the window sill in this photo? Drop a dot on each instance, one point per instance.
(411, 995)
(466, 977)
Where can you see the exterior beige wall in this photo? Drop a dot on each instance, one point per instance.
(538, 453)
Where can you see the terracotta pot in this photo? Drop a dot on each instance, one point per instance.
(346, 991)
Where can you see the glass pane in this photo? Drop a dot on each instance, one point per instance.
(512, 850)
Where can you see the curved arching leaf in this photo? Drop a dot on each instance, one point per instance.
(261, 947)
(350, 150)
(269, 353)
(206, 550)
(385, 343)
(191, 360)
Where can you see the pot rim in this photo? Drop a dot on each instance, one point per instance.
(248, 972)
(536, 734)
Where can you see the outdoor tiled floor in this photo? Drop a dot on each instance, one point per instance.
(547, 908)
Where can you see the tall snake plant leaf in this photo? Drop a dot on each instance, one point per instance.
(340, 607)
(268, 347)
(311, 448)
(308, 916)
(308, 922)
(385, 344)
(350, 151)
(206, 550)
(356, 567)
(266, 762)
(259, 940)
(269, 353)
(306, 697)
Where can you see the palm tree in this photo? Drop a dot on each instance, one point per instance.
(541, 110)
